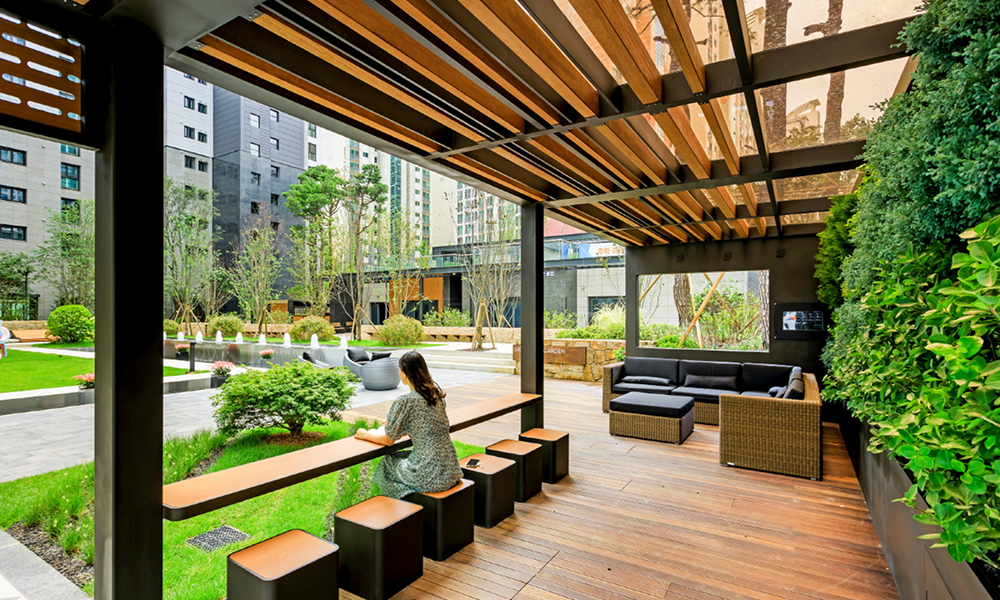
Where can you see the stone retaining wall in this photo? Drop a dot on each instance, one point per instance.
(599, 353)
(501, 335)
(24, 325)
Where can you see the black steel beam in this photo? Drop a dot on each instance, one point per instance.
(789, 163)
(812, 58)
(128, 544)
(736, 21)
(532, 309)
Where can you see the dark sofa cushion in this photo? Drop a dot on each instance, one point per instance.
(656, 405)
(651, 367)
(796, 390)
(647, 380)
(777, 391)
(706, 367)
(701, 394)
(358, 355)
(716, 382)
(761, 377)
(378, 355)
(624, 388)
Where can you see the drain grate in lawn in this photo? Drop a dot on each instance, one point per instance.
(220, 537)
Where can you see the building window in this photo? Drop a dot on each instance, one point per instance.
(254, 208)
(203, 166)
(275, 172)
(255, 178)
(275, 116)
(71, 150)
(13, 232)
(13, 194)
(275, 198)
(191, 77)
(202, 82)
(275, 143)
(189, 162)
(70, 177)
(312, 151)
(9, 155)
(203, 108)
(364, 155)
(254, 149)
(254, 120)
(202, 137)
(189, 132)
(70, 205)
(312, 130)
(189, 102)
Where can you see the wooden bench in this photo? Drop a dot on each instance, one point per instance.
(31, 335)
(197, 496)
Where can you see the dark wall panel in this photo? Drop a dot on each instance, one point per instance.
(791, 281)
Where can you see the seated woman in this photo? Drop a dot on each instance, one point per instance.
(432, 465)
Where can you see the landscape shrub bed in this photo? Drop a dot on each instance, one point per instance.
(449, 317)
(400, 331)
(304, 329)
(71, 323)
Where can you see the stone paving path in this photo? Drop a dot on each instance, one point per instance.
(42, 441)
(24, 576)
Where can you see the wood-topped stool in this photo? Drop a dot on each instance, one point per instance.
(381, 544)
(527, 459)
(289, 566)
(555, 452)
(495, 480)
(449, 522)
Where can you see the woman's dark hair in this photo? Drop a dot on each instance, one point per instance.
(413, 365)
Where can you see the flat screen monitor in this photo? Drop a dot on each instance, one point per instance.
(800, 321)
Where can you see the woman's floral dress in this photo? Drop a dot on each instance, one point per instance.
(432, 465)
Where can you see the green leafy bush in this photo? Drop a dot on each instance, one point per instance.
(924, 370)
(398, 330)
(731, 320)
(449, 317)
(280, 317)
(619, 353)
(560, 319)
(171, 327)
(229, 325)
(674, 341)
(303, 330)
(288, 396)
(834, 248)
(71, 323)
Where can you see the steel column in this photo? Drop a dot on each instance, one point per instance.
(129, 256)
(532, 309)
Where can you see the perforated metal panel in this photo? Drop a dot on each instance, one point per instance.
(220, 537)
(40, 74)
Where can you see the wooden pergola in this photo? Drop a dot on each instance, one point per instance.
(566, 107)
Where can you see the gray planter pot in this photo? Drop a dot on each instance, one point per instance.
(218, 380)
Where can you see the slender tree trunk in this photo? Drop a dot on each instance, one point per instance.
(776, 97)
(682, 299)
(835, 95)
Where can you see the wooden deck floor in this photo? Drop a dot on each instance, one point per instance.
(641, 520)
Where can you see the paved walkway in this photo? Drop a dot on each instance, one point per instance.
(24, 576)
(48, 440)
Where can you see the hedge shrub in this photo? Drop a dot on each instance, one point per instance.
(399, 330)
(71, 323)
(560, 319)
(674, 341)
(289, 397)
(303, 329)
(171, 327)
(229, 325)
(449, 317)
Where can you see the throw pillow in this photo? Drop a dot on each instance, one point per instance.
(307, 357)
(712, 382)
(777, 391)
(378, 355)
(796, 390)
(358, 355)
(320, 364)
(646, 379)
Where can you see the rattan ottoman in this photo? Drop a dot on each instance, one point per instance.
(656, 417)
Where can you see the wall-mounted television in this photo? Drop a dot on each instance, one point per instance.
(800, 321)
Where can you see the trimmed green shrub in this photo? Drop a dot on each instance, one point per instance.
(303, 330)
(280, 317)
(288, 396)
(924, 370)
(71, 323)
(399, 330)
(449, 317)
(171, 327)
(229, 325)
(560, 319)
(834, 248)
(674, 341)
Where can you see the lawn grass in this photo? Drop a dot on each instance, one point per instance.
(61, 502)
(23, 370)
(56, 345)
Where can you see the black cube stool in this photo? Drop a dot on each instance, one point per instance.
(527, 459)
(449, 522)
(381, 546)
(495, 479)
(289, 566)
(555, 452)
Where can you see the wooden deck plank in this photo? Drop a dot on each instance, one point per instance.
(638, 519)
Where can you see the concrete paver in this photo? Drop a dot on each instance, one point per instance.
(24, 576)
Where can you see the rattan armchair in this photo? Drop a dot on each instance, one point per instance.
(778, 435)
(612, 373)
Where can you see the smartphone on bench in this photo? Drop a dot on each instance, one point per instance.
(473, 463)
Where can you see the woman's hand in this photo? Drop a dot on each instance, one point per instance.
(377, 436)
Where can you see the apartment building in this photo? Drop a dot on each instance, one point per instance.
(188, 129)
